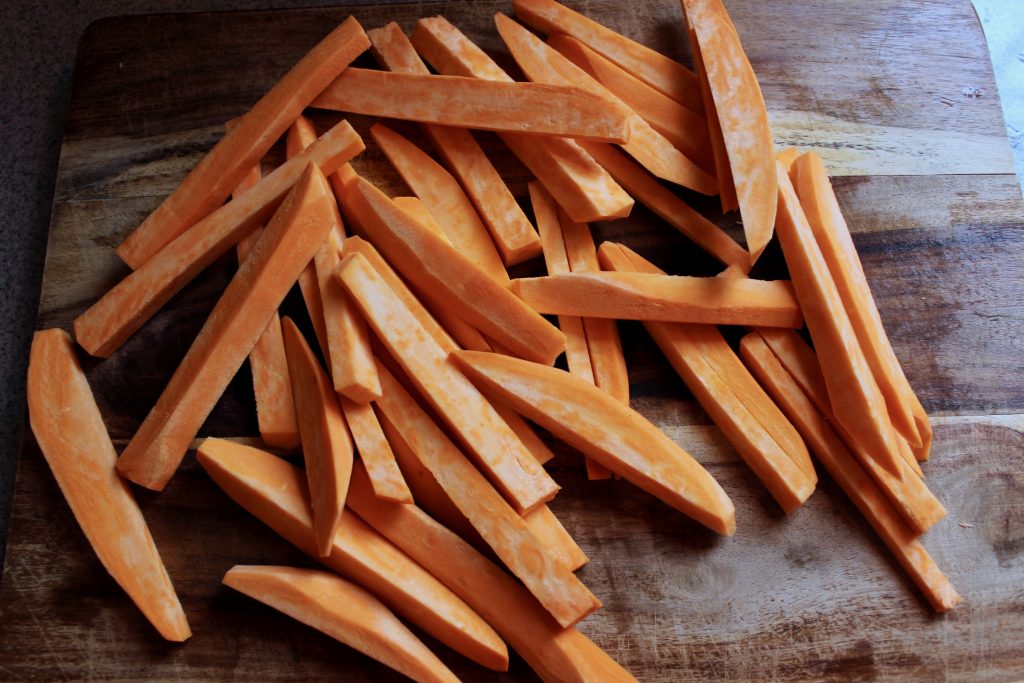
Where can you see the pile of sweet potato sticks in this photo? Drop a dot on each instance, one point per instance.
(420, 464)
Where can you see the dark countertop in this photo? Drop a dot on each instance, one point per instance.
(36, 64)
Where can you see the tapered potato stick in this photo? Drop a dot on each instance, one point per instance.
(668, 298)
(577, 183)
(445, 200)
(743, 118)
(234, 326)
(849, 474)
(552, 534)
(833, 237)
(659, 199)
(272, 387)
(599, 426)
(345, 612)
(220, 171)
(543, 64)
(787, 157)
(668, 76)
(511, 231)
(69, 429)
(685, 129)
(550, 580)
(857, 402)
(723, 171)
(554, 653)
(534, 108)
(603, 343)
(104, 326)
(905, 488)
(374, 451)
(275, 492)
(494, 446)
(326, 440)
(460, 285)
(748, 418)
(342, 333)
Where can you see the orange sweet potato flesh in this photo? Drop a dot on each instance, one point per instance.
(685, 129)
(668, 76)
(326, 440)
(275, 492)
(548, 579)
(375, 452)
(444, 198)
(511, 230)
(659, 199)
(534, 108)
(345, 612)
(668, 298)
(272, 387)
(431, 264)
(787, 157)
(493, 445)
(723, 171)
(104, 326)
(220, 171)
(603, 343)
(543, 64)
(69, 429)
(342, 334)
(857, 402)
(748, 418)
(234, 326)
(849, 474)
(742, 116)
(556, 654)
(602, 428)
(577, 183)
(905, 488)
(826, 220)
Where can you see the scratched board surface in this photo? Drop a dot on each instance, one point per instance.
(886, 91)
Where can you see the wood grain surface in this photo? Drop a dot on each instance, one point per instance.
(876, 87)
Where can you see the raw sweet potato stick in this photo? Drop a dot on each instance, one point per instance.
(220, 171)
(550, 580)
(556, 654)
(543, 64)
(659, 199)
(460, 285)
(814, 190)
(445, 200)
(345, 340)
(272, 387)
(512, 233)
(275, 492)
(532, 108)
(748, 418)
(849, 474)
(69, 429)
(905, 488)
(234, 326)
(326, 440)
(494, 446)
(577, 183)
(669, 298)
(105, 325)
(685, 129)
(343, 611)
(743, 118)
(857, 402)
(723, 171)
(668, 76)
(375, 452)
(599, 426)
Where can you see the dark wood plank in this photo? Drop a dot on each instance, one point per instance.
(811, 595)
(877, 86)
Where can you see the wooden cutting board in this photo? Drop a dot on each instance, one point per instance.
(897, 95)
